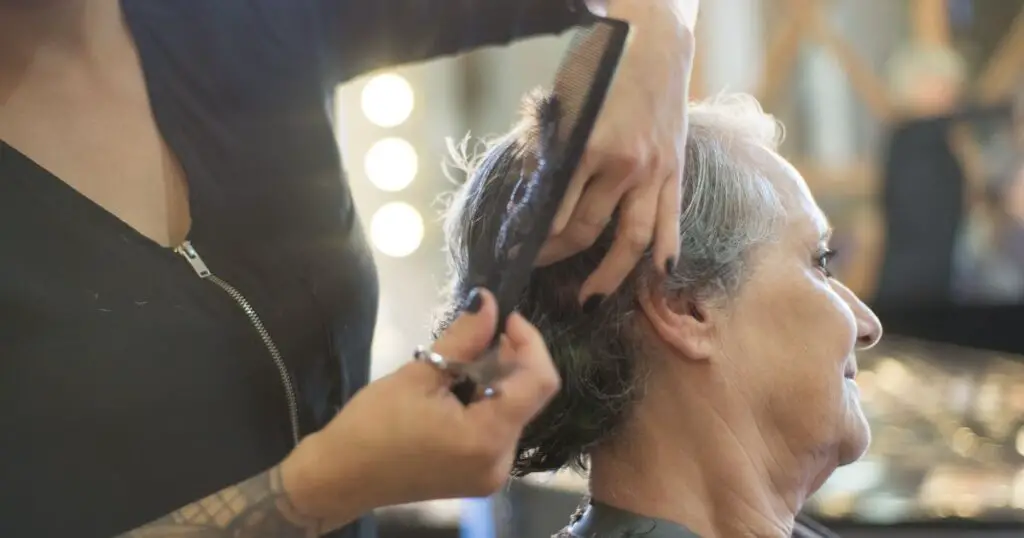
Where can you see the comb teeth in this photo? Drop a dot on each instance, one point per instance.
(586, 73)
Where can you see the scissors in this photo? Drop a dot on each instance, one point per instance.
(470, 380)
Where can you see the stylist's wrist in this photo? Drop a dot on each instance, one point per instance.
(322, 482)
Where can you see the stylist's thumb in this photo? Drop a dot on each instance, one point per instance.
(470, 334)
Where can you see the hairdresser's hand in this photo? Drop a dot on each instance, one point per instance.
(406, 438)
(634, 161)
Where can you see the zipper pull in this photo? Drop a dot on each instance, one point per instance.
(189, 253)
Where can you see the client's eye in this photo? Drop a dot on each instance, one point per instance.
(822, 259)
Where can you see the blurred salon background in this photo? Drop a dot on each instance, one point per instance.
(903, 117)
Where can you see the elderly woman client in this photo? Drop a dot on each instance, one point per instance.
(714, 401)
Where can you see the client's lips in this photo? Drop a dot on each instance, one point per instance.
(851, 370)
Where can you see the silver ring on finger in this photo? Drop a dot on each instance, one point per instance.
(427, 355)
(454, 370)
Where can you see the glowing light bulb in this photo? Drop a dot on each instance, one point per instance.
(391, 164)
(396, 229)
(387, 100)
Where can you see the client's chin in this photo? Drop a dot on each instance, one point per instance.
(856, 434)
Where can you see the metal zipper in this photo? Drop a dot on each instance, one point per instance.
(187, 251)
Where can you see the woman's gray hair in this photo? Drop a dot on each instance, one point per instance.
(728, 208)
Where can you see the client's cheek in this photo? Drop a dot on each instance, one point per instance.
(809, 408)
(835, 325)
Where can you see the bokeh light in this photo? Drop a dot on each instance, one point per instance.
(387, 100)
(396, 229)
(391, 164)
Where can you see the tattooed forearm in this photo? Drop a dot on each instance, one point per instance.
(256, 508)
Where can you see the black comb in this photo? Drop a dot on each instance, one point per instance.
(581, 85)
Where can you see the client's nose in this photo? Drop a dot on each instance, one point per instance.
(869, 328)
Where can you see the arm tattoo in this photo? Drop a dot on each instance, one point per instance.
(256, 508)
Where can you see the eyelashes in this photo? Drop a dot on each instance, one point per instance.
(823, 258)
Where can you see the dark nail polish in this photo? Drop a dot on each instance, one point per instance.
(474, 302)
(670, 265)
(593, 303)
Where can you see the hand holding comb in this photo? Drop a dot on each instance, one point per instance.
(581, 85)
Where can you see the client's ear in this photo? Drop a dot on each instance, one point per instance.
(684, 324)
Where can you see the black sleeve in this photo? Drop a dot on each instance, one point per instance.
(363, 35)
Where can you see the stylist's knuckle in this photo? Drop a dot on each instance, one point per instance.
(581, 235)
(636, 238)
(549, 382)
(663, 172)
(655, 161)
(591, 161)
(678, 159)
(594, 218)
(537, 341)
(627, 158)
(532, 338)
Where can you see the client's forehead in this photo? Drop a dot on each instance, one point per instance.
(794, 193)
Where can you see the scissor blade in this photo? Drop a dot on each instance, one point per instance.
(486, 370)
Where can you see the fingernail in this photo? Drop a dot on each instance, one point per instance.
(474, 302)
(670, 265)
(593, 303)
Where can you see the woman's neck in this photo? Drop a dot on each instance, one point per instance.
(67, 28)
(713, 474)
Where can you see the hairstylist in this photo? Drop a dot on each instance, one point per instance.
(185, 292)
